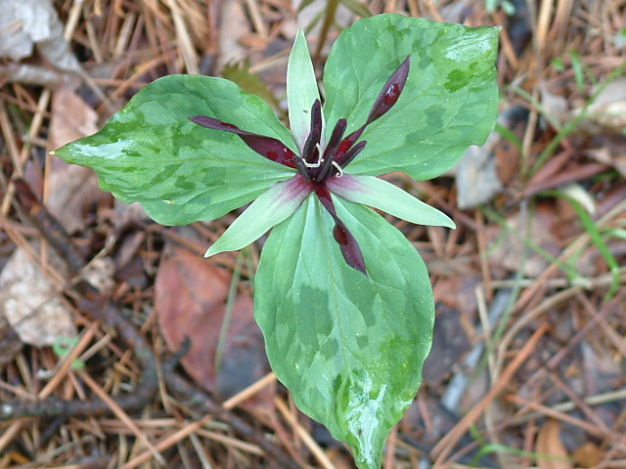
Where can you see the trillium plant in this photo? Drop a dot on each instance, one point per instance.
(342, 297)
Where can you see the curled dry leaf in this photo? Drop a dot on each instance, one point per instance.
(15, 42)
(556, 106)
(310, 16)
(31, 303)
(477, 175)
(28, 22)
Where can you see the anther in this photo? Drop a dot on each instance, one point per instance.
(338, 168)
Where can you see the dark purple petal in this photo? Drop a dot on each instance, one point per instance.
(331, 150)
(310, 150)
(391, 91)
(268, 147)
(338, 131)
(350, 155)
(302, 169)
(346, 144)
(347, 242)
(385, 101)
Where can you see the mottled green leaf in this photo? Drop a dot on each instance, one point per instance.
(181, 172)
(450, 100)
(350, 347)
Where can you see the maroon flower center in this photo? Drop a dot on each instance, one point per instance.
(315, 166)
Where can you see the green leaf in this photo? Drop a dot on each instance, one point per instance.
(450, 100)
(302, 89)
(349, 347)
(385, 196)
(271, 208)
(181, 172)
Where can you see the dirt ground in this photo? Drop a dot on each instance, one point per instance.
(529, 359)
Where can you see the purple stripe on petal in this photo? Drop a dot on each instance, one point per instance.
(347, 242)
(345, 185)
(268, 147)
(296, 188)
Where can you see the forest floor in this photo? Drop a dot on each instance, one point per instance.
(528, 366)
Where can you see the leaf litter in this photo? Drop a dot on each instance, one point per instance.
(190, 300)
(565, 398)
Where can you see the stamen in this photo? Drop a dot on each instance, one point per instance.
(314, 165)
(320, 158)
(352, 152)
(329, 159)
(338, 168)
(301, 166)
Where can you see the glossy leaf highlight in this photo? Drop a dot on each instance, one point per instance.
(152, 153)
(449, 101)
(350, 347)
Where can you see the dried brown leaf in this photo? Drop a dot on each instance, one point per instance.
(610, 150)
(190, 296)
(71, 188)
(556, 107)
(588, 455)
(72, 118)
(30, 302)
(549, 444)
(15, 42)
(29, 22)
